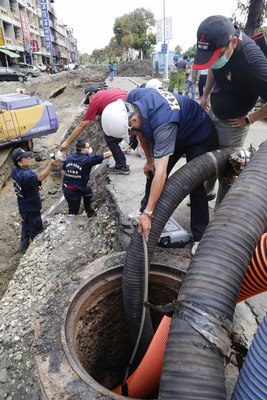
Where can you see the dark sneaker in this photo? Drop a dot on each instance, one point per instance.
(119, 171)
(211, 196)
(194, 248)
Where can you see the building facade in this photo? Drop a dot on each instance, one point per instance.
(31, 32)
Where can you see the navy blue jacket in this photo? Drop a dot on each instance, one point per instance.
(26, 188)
(77, 167)
(158, 107)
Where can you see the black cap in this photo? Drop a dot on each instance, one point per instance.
(213, 34)
(89, 90)
(19, 153)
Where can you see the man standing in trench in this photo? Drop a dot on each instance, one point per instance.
(237, 76)
(168, 125)
(27, 185)
(98, 99)
(77, 168)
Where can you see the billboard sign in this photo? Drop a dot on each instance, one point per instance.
(2, 39)
(25, 27)
(159, 30)
(164, 48)
(46, 26)
(35, 46)
(160, 24)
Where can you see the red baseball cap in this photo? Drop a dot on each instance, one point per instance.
(213, 34)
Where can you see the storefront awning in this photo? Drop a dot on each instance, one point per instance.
(10, 53)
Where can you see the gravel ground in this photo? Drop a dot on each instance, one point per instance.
(62, 250)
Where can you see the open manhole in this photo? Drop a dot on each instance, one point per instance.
(95, 337)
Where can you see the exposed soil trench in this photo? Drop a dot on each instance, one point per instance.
(69, 111)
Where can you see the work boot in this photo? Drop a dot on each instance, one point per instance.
(91, 210)
(24, 244)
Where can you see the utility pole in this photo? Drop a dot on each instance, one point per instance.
(165, 46)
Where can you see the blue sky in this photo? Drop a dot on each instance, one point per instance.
(93, 21)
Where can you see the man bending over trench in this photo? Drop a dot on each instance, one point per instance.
(168, 125)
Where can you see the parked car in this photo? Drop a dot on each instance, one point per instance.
(9, 74)
(27, 69)
(41, 67)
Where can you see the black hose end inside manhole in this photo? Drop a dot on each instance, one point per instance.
(95, 336)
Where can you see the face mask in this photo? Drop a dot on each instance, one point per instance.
(90, 150)
(221, 62)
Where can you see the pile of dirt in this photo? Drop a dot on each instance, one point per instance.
(135, 68)
(44, 85)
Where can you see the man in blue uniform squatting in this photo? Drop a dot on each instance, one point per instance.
(168, 125)
(77, 167)
(27, 185)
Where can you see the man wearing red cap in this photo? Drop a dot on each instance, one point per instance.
(97, 100)
(237, 77)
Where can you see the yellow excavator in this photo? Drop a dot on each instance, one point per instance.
(23, 117)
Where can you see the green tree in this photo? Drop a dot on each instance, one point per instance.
(84, 58)
(191, 50)
(99, 56)
(133, 30)
(113, 50)
(264, 29)
(250, 15)
(178, 50)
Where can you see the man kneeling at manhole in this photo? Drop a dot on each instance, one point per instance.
(77, 167)
(168, 125)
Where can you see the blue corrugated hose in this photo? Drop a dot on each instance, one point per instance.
(252, 380)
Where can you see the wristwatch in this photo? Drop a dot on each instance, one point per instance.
(247, 119)
(148, 213)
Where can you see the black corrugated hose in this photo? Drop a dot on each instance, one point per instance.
(177, 187)
(193, 366)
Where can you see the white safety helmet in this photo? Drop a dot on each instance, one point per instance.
(115, 120)
(154, 83)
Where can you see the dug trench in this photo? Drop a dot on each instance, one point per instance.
(60, 252)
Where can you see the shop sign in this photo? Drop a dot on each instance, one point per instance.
(2, 40)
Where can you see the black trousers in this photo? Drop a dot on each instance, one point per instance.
(199, 218)
(31, 226)
(117, 153)
(201, 84)
(74, 197)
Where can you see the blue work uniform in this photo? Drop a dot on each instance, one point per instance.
(26, 186)
(175, 125)
(77, 167)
